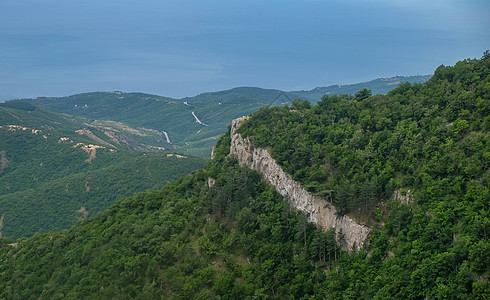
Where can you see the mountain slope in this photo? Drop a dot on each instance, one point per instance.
(223, 233)
(414, 164)
(193, 124)
(52, 165)
(187, 240)
(377, 86)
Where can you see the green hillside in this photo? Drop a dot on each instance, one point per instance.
(236, 239)
(377, 86)
(52, 165)
(358, 149)
(222, 233)
(428, 142)
(175, 116)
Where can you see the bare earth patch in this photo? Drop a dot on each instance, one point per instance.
(84, 213)
(157, 148)
(118, 127)
(90, 149)
(176, 155)
(112, 136)
(15, 116)
(3, 160)
(15, 128)
(92, 136)
(65, 139)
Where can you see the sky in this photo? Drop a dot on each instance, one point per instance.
(180, 48)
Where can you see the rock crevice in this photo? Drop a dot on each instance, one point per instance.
(317, 209)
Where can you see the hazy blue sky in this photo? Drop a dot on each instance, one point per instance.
(184, 47)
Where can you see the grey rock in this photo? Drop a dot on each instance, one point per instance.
(317, 209)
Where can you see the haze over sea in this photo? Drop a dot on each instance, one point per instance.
(181, 48)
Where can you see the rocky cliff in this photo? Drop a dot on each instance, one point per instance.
(317, 209)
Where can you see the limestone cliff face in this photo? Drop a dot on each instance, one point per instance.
(317, 209)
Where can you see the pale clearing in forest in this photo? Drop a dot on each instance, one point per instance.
(15, 128)
(91, 135)
(176, 155)
(84, 213)
(90, 149)
(3, 160)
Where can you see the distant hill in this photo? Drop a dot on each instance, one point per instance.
(412, 165)
(193, 124)
(377, 86)
(57, 168)
(52, 149)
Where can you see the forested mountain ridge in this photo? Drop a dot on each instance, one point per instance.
(430, 144)
(55, 169)
(317, 209)
(232, 237)
(100, 123)
(223, 233)
(192, 125)
(353, 147)
(377, 86)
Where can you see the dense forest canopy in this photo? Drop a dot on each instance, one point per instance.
(359, 149)
(223, 233)
(55, 169)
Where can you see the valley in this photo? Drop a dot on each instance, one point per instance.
(193, 124)
(398, 185)
(53, 164)
(55, 146)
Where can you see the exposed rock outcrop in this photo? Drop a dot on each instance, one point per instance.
(403, 198)
(318, 210)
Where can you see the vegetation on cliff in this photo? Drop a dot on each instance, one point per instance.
(223, 233)
(428, 141)
(237, 239)
(358, 149)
